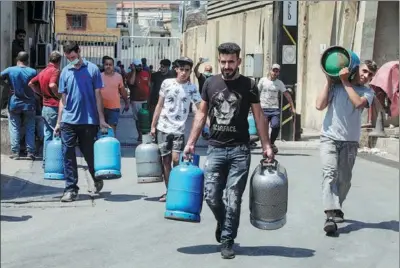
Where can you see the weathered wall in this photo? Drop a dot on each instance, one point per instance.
(96, 17)
(359, 26)
(251, 30)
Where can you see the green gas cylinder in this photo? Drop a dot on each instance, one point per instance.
(336, 58)
(144, 119)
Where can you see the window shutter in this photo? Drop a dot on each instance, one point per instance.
(69, 22)
(84, 22)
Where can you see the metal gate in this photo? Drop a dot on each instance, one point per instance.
(154, 49)
(93, 47)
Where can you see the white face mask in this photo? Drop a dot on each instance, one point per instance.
(74, 62)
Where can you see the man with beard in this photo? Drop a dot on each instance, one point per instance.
(340, 135)
(156, 80)
(171, 113)
(18, 44)
(113, 89)
(227, 99)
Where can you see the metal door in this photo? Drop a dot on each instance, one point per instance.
(154, 49)
(93, 47)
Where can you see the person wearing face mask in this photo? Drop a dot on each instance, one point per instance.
(80, 114)
(227, 99)
(270, 88)
(340, 135)
(202, 77)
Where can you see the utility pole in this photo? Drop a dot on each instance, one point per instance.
(133, 19)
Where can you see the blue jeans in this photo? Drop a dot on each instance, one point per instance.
(226, 169)
(87, 136)
(274, 118)
(17, 119)
(49, 115)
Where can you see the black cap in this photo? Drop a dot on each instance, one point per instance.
(184, 61)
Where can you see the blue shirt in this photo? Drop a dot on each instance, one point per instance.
(23, 97)
(342, 120)
(79, 86)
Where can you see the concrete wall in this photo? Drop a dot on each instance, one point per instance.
(369, 28)
(251, 30)
(96, 17)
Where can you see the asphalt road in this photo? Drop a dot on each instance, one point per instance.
(125, 228)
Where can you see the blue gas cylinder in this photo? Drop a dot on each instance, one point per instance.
(107, 156)
(252, 125)
(185, 191)
(54, 164)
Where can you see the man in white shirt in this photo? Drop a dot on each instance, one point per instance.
(171, 113)
(270, 87)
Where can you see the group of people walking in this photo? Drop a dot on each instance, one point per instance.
(81, 101)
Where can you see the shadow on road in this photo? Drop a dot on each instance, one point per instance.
(15, 219)
(108, 196)
(358, 225)
(153, 199)
(251, 251)
(14, 187)
(286, 154)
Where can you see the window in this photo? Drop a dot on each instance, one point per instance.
(76, 21)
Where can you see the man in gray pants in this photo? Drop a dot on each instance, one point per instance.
(340, 136)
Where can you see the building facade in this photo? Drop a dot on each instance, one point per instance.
(86, 17)
(305, 28)
(37, 19)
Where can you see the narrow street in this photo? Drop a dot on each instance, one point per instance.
(124, 226)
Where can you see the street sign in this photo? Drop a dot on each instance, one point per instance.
(290, 13)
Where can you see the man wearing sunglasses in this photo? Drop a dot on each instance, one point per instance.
(270, 87)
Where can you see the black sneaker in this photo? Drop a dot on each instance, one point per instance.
(98, 185)
(227, 250)
(274, 149)
(218, 232)
(69, 196)
(15, 156)
(330, 226)
(339, 216)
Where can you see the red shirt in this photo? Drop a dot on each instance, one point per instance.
(47, 76)
(141, 90)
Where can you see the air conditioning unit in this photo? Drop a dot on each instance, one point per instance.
(43, 51)
(41, 12)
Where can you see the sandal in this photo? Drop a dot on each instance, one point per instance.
(163, 198)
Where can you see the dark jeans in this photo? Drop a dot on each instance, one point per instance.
(274, 118)
(226, 169)
(87, 136)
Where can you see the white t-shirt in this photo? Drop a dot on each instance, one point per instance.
(175, 110)
(269, 92)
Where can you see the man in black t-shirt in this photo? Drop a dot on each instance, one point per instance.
(156, 80)
(227, 99)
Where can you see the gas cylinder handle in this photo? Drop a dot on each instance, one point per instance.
(272, 165)
(194, 159)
